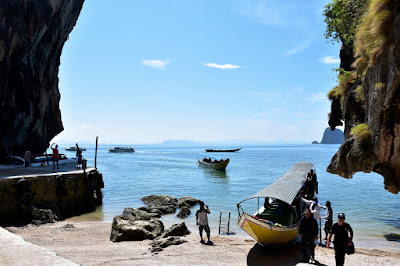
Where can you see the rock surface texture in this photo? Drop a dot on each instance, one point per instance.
(32, 35)
(380, 112)
(134, 230)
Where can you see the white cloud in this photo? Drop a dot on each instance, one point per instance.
(292, 128)
(330, 60)
(225, 66)
(159, 64)
(298, 49)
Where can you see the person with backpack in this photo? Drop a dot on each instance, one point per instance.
(342, 240)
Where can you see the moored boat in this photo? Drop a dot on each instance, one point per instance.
(121, 149)
(214, 163)
(277, 222)
(223, 150)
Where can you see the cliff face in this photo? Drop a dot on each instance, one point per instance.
(380, 110)
(32, 35)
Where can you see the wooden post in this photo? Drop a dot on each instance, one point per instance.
(320, 232)
(95, 154)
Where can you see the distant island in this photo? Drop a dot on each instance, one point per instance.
(331, 137)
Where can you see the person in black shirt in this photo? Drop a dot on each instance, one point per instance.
(308, 230)
(341, 230)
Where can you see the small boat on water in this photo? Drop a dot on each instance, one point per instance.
(214, 163)
(277, 222)
(73, 148)
(121, 149)
(215, 150)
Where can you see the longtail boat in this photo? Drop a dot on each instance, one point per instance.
(277, 222)
(214, 150)
(214, 164)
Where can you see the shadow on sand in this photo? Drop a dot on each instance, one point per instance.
(291, 255)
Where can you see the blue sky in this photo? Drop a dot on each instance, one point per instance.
(147, 71)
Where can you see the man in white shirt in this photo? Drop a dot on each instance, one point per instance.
(315, 207)
(202, 222)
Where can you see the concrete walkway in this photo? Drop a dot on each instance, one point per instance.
(14, 250)
(20, 171)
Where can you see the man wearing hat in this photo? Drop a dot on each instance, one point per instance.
(341, 231)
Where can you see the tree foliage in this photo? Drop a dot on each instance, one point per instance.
(342, 18)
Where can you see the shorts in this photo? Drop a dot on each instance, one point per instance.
(205, 227)
(328, 227)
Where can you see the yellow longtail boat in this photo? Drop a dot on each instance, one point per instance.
(276, 223)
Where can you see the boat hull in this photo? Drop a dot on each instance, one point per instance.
(216, 166)
(75, 149)
(121, 150)
(212, 150)
(268, 234)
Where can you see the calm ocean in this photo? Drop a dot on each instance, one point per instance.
(161, 170)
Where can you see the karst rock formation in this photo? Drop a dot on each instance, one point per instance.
(380, 110)
(32, 36)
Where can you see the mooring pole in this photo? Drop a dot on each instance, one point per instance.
(95, 155)
(320, 232)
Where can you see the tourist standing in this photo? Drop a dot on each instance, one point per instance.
(341, 230)
(308, 230)
(202, 222)
(55, 155)
(27, 158)
(328, 219)
(315, 207)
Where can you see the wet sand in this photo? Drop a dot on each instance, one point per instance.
(88, 244)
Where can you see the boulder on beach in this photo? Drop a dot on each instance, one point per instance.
(135, 214)
(184, 212)
(43, 216)
(161, 243)
(159, 201)
(135, 230)
(153, 212)
(176, 230)
(187, 201)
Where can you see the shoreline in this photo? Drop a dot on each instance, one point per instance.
(379, 242)
(88, 243)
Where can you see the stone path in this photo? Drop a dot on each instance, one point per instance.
(14, 250)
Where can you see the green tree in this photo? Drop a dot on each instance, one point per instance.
(342, 18)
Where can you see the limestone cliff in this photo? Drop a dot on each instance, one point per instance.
(32, 35)
(370, 107)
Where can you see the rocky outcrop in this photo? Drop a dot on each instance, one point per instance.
(161, 243)
(135, 230)
(137, 225)
(379, 108)
(176, 230)
(143, 223)
(184, 212)
(32, 35)
(167, 204)
(332, 136)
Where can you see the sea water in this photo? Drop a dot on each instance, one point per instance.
(171, 170)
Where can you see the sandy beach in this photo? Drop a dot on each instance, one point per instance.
(87, 243)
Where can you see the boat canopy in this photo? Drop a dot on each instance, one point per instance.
(287, 186)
